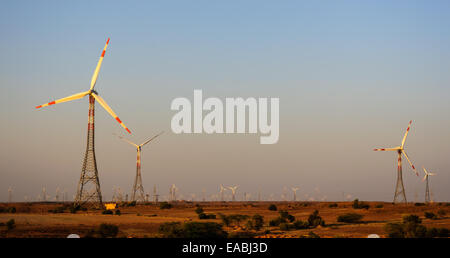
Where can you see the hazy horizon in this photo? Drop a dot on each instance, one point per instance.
(349, 76)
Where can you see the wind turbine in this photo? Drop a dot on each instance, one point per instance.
(427, 191)
(400, 189)
(295, 189)
(89, 172)
(233, 192)
(10, 194)
(222, 189)
(137, 186)
(173, 192)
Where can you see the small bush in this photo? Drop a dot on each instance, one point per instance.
(272, 207)
(379, 206)
(412, 228)
(286, 226)
(360, 205)
(419, 204)
(333, 205)
(206, 216)
(442, 213)
(165, 205)
(75, 208)
(276, 222)
(430, 215)
(192, 230)
(315, 220)
(350, 218)
(300, 224)
(285, 215)
(10, 224)
(107, 212)
(199, 210)
(225, 219)
(131, 204)
(108, 230)
(117, 212)
(256, 222)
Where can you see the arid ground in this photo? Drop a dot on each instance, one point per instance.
(37, 220)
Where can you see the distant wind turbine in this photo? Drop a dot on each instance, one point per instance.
(295, 189)
(400, 189)
(427, 190)
(137, 186)
(233, 192)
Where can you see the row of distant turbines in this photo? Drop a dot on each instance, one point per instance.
(400, 195)
(88, 190)
(174, 195)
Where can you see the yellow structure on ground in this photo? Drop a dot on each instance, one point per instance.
(110, 206)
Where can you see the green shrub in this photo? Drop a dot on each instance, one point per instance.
(199, 210)
(131, 204)
(286, 226)
(108, 230)
(315, 220)
(350, 218)
(394, 230)
(272, 207)
(165, 205)
(225, 219)
(411, 228)
(285, 215)
(107, 212)
(412, 219)
(75, 208)
(256, 222)
(333, 205)
(379, 206)
(430, 215)
(10, 224)
(192, 230)
(171, 230)
(276, 222)
(117, 212)
(206, 216)
(300, 224)
(360, 205)
(419, 204)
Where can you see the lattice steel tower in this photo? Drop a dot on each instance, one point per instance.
(137, 193)
(89, 185)
(427, 193)
(138, 190)
(399, 195)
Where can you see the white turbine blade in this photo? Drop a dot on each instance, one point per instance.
(424, 177)
(69, 98)
(99, 64)
(406, 134)
(425, 170)
(126, 140)
(387, 149)
(152, 138)
(409, 161)
(109, 110)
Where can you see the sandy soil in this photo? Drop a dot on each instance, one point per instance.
(35, 220)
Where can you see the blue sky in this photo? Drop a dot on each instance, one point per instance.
(349, 75)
